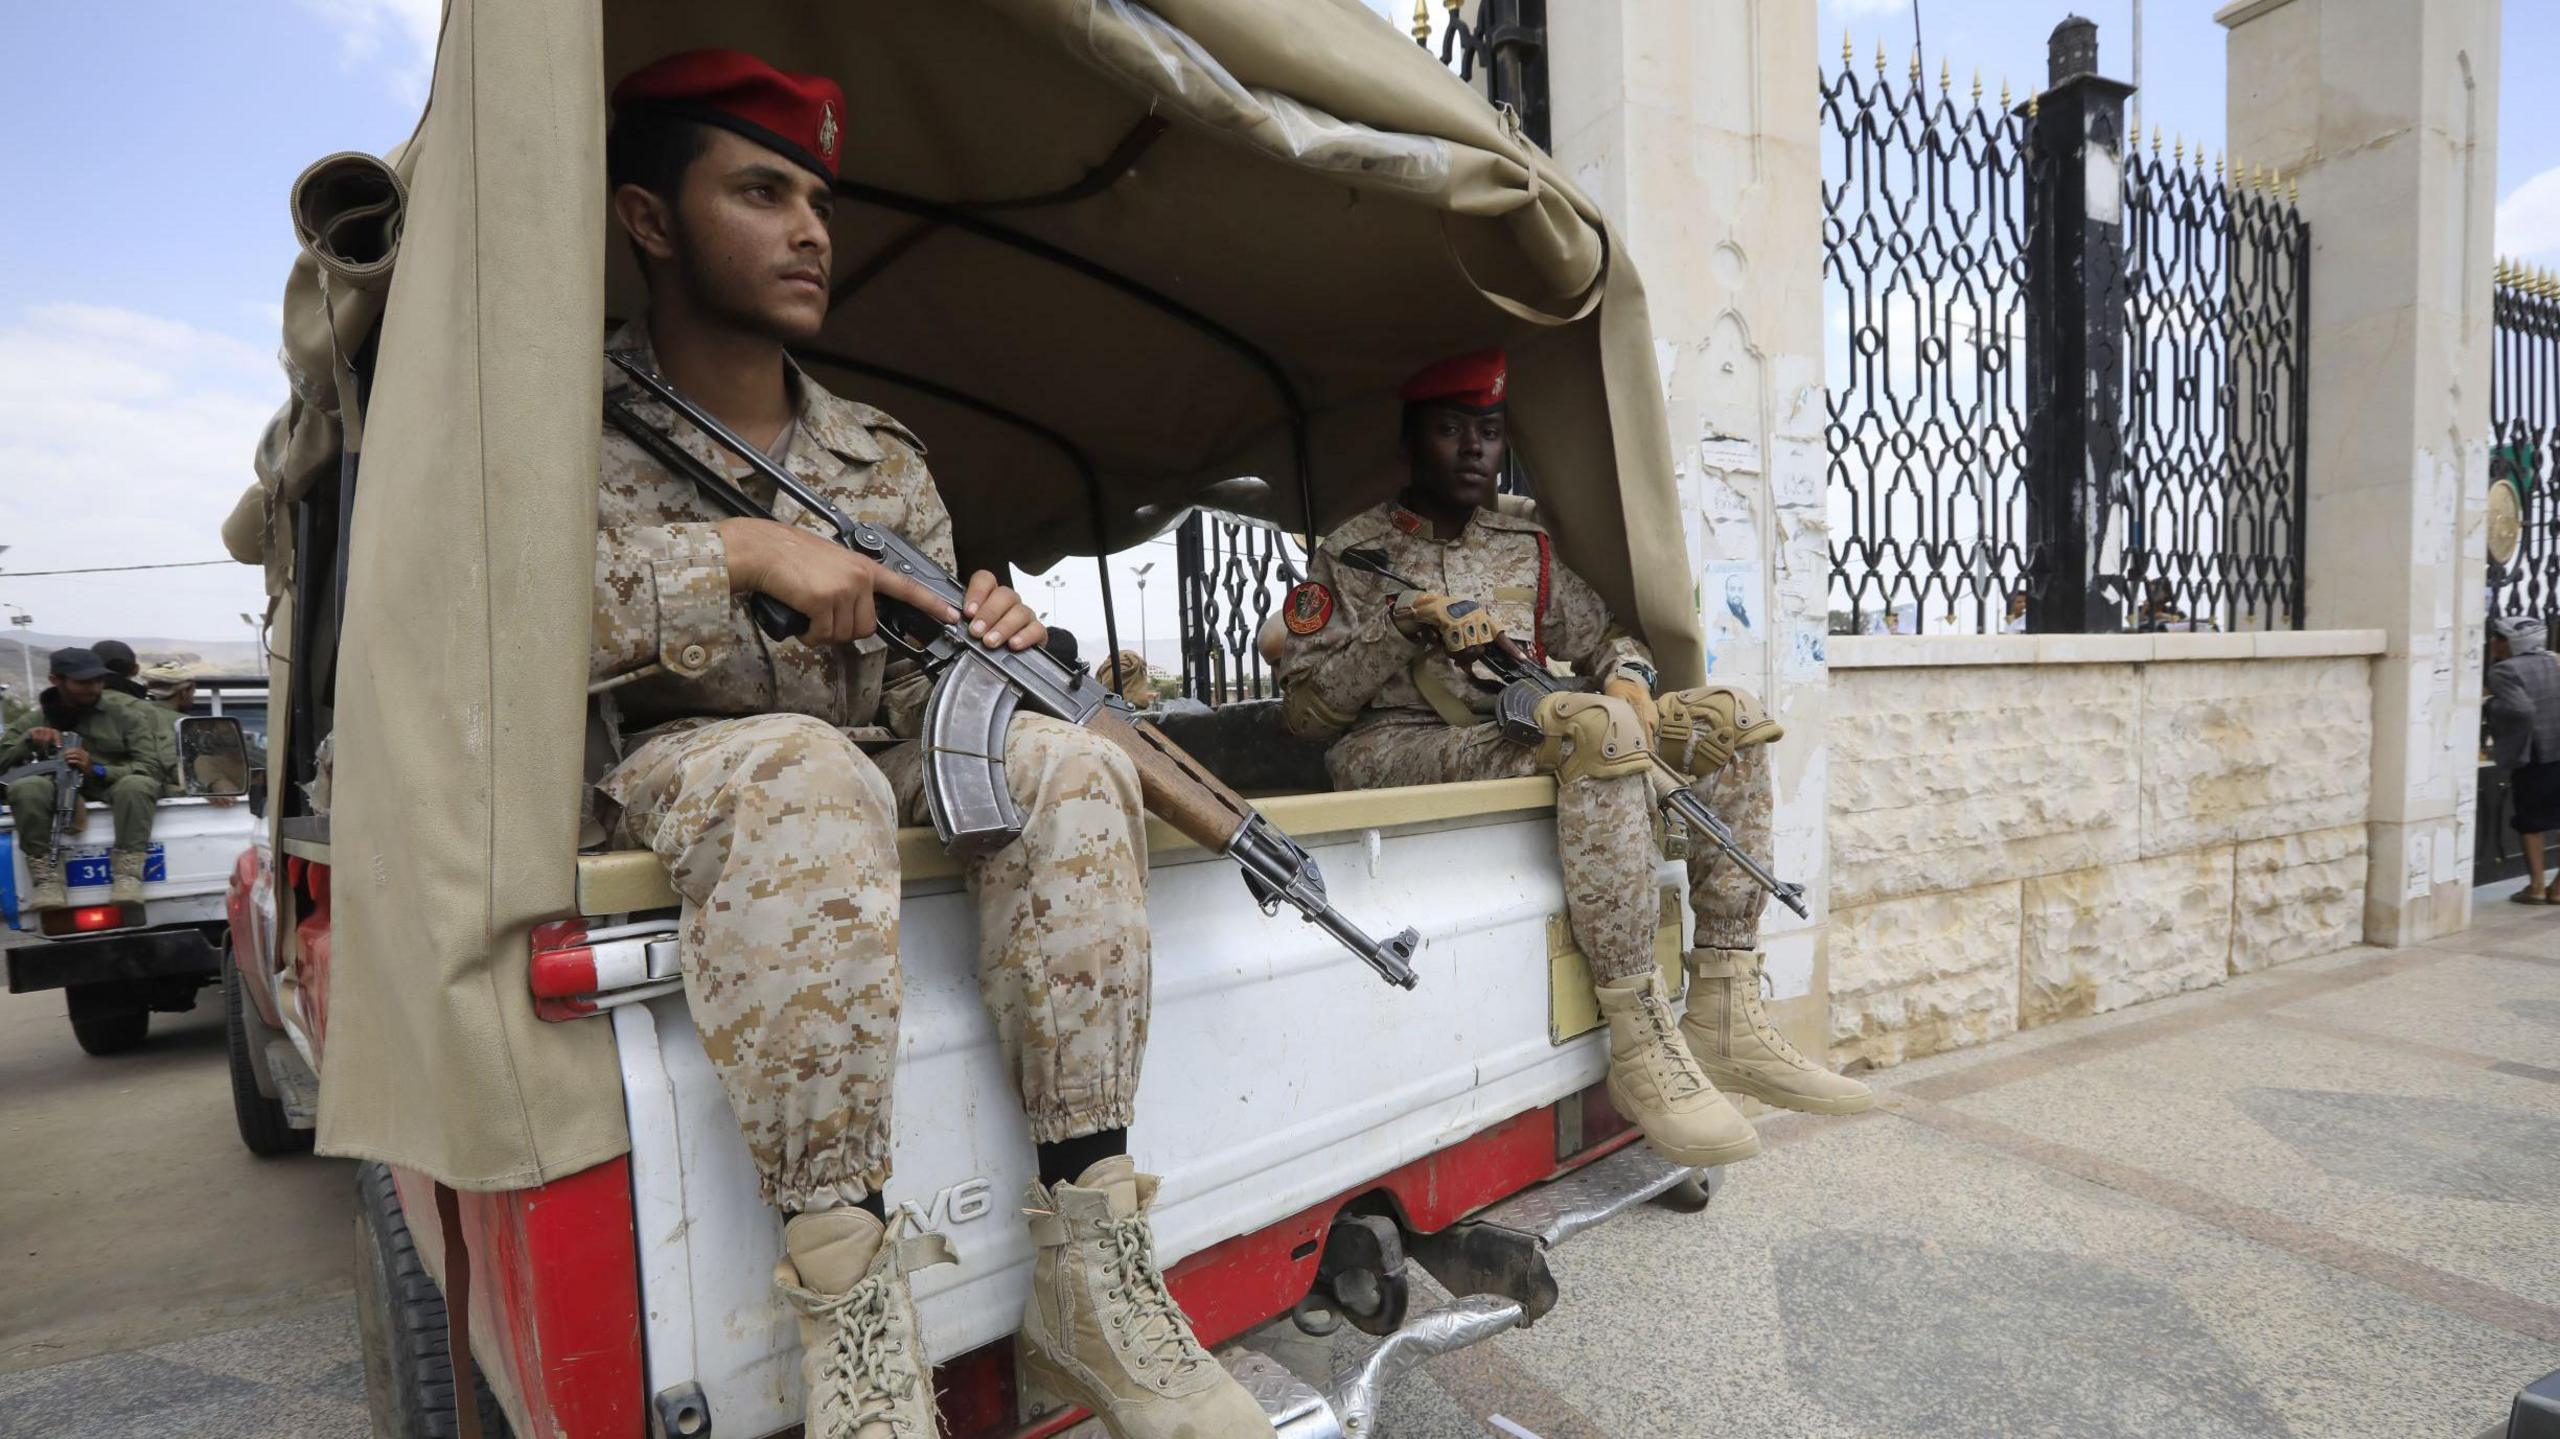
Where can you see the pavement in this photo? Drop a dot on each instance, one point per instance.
(2318, 1200)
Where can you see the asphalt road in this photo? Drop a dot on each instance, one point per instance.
(2317, 1201)
(158, 1279)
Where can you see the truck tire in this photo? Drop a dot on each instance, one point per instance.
(263, 1126)
(400, 1319)
(107, 1018)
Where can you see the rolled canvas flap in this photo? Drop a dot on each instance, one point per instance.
(348, 209)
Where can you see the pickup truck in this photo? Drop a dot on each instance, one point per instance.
(1119, 263)
(1317, 1133)
(117, 965)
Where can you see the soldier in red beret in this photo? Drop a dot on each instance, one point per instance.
(779, 831)
(1385, 671)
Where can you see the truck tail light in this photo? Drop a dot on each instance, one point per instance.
(88, 919)
(97, 916)
(577, 971)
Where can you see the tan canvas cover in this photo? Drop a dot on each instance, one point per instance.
(1319, 190)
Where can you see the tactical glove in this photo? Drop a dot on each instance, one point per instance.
(1462, 625)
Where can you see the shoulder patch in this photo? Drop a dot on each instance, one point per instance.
(1308, 608)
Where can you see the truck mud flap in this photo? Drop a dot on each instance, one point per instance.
(1503, 1250)
(150, 954)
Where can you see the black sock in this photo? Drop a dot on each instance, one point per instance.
(1066, 1161)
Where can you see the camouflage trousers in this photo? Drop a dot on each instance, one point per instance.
(781, 837)
(1605, 834)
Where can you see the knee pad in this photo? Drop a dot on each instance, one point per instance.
(1704, 728)
(1590, 736)
(1305, 714)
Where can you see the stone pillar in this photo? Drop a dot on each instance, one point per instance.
(1696, 127)
(2385, 113)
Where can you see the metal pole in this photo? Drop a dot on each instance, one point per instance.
(26, 655)
(2075, 342)
(1141, 573)
(2133, 103)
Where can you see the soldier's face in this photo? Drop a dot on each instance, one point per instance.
(748, 239)
(1456, 455)
(81, 693)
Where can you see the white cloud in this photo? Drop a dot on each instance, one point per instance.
(399, 35)
(2529, 218)
(126, 438)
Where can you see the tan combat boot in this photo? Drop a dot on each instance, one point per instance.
(865, 1370)
(1101, 1330)
(126, 866)
(1741, 1051)
(1658, 1087)
(44, 871)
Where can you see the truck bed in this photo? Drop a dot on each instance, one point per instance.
(1280, 1072)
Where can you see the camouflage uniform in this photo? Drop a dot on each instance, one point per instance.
(1413, 717)
(779, 831)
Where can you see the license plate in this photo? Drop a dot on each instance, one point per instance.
(87, 865)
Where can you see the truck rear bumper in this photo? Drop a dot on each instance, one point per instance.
(1540, 1217)
(144, 954)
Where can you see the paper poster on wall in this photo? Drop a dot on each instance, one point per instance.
(1804, 655)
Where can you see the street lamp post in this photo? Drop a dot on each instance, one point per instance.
(26, 653)
(1141, 573)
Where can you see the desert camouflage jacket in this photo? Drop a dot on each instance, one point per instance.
(1345, 664)
(664, 613)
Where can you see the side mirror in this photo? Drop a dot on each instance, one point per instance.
(213, 756)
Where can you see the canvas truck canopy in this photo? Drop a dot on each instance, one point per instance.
(1098, 256)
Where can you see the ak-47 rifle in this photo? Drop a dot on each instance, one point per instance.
(977, 688)
(66, 786)
(1523, 682)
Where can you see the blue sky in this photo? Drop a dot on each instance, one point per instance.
(144, 241)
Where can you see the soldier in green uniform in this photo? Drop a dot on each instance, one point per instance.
(126, 759)
(1384, 672)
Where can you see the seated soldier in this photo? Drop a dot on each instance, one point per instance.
(734, 764)
(1387, 671)
(125, 757)
(124, 668)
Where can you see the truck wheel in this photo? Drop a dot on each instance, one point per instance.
(106, 1018)
(263, 1126)
(400, 1319)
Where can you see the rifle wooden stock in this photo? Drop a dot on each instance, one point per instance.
(1178, 789)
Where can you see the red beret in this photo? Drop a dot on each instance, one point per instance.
(798, 116)
(1475, 381)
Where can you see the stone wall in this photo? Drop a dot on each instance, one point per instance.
(2028, 828)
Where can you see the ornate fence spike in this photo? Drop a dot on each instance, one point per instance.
(1848, 56)
(1422, 22)
(1936, 238)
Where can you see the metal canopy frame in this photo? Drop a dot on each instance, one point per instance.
(971, 217)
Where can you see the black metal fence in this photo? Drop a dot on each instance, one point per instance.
(2066, 388)
(2524, 416)
(1232, 573)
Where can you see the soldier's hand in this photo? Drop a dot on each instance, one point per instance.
(1637, 698)
(1463, 626)
(45, 735)
(79, 758)
(836, 588)
(999, 617)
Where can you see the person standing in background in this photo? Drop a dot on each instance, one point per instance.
(2524, 733)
